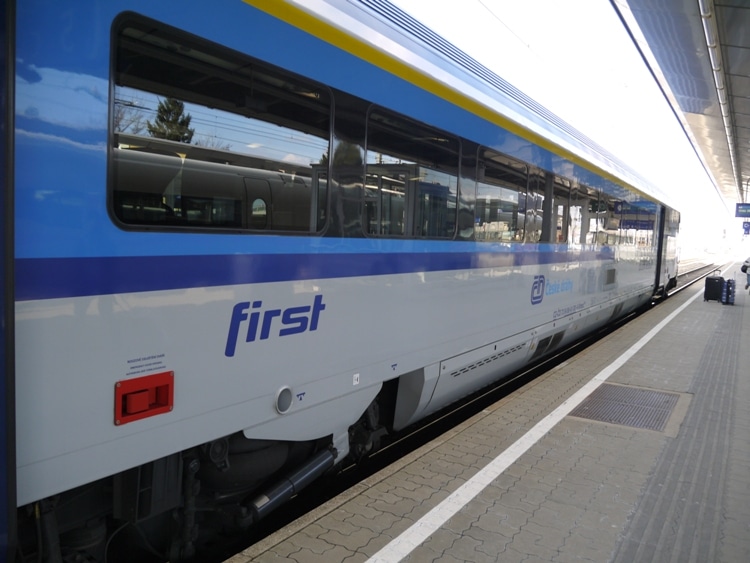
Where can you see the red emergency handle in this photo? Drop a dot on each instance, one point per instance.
(143, 397)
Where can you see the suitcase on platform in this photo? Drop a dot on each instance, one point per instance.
(727, 292)
(714, 286)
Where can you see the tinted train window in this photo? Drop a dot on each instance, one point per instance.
(639, 223)
(501, 197)
(583, 220)
(608, 233)
(411, 183)
(560, 210)
(534, 207)
(672, 220)
(547, 208)
(205, 137)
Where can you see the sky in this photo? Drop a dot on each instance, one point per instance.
(576, 59)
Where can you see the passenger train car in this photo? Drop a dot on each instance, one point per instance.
(244, 241)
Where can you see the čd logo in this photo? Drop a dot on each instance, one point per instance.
(537, 290)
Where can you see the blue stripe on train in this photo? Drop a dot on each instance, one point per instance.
(50, 278)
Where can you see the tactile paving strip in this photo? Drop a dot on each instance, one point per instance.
(628, 406)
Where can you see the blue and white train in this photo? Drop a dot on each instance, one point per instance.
(243, 241)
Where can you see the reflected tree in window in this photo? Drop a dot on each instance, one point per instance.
(171, 123)
(128, 117)
(346, 154)
(213, 142)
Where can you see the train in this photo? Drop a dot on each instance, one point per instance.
(246, 242)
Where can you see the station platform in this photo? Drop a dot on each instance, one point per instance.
(636, 449)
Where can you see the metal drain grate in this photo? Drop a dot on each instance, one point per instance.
(629, 406)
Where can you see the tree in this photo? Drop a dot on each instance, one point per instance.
(346, 154)
(128, 118)
(213, 142)
(171, 123)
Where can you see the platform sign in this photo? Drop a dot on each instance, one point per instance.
(638, 225)
(746, 227)
(743, 210)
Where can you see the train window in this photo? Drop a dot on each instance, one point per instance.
(560, 211)
(638, 225)
(534, 209)
(467, 192)
(348, 167)
(258, 214)
(582, 224)
(385, 200)
(597, 213)
(673, 219)
(552, 194)
(672, 222)
(206, 137)
(646, 225)
(501, 195)
(411, 183)
(608, 221)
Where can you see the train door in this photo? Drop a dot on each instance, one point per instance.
(666, 259)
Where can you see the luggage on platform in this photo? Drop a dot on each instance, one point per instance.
(714, 286)
(727, 292)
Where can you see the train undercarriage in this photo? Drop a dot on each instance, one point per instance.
(174, 508)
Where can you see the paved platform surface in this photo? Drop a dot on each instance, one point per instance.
(526, 480)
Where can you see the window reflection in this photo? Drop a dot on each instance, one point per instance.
(501, 198)
(411, 179)
(207, 137)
